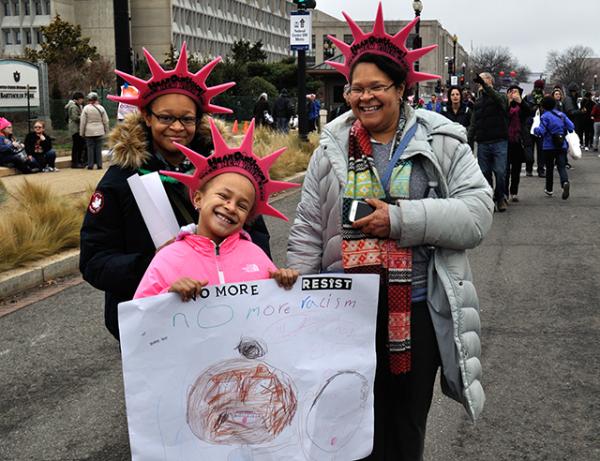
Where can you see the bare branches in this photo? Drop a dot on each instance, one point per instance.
(571, 65)
(496, 59)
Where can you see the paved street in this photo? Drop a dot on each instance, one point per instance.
(538, 278)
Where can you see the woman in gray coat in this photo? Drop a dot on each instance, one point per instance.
(429, 203)
(93, 127)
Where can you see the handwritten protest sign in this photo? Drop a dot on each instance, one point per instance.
(250, 371)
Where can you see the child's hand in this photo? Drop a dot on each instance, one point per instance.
(188, 288)
(285, 278)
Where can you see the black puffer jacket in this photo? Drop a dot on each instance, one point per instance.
(463, 116)
(489, 122)
(116, 247)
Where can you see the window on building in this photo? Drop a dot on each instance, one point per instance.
(47, 6)
(6, 8)
(27, 8)
(328, 48)
(17, 37)
(8, 37)
(37, 6)
(39, 37)
(16, 8)
(348, 38)
(28, 37)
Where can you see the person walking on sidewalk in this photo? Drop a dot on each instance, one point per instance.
(587, 105)
(455, 109)
(572, 110)
(93, 127)
(38, 144)
(262, 111)
(78, 148)
(596, 120)
(519, 112)
(558, 95)
(534, 100)
(283, 109)
(554, 126)
(489, 128)
(116, 247)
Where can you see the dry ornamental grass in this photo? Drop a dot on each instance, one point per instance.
(37, 224)
(293, 160)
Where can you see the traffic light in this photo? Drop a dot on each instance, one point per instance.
(305, 4)
(450, 66)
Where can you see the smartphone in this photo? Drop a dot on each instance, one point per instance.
(359, 209)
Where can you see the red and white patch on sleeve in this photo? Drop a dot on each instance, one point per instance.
(96, 202)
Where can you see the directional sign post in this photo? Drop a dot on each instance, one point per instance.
(300, 30)
(300, 41)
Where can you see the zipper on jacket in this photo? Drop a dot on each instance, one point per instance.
(219, 271)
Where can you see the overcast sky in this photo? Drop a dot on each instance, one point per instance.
(530, 28)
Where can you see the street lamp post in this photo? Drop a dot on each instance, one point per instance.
(595, 82)
(418, 7)
(454, 41)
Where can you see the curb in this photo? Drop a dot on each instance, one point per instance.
(67, 262)
(36, 273)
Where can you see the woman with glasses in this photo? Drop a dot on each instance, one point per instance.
(38, 145)
(116, 247)
(93, 127)
(429, 203)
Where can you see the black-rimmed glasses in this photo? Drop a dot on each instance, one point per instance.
(186, 120)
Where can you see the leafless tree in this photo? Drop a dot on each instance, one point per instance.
(496, 59)
(575, 64)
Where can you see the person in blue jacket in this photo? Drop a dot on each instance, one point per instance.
(434, 104)
(554, 126)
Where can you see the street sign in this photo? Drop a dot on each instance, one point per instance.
(300, 30)
(454, 80)
(19, 82)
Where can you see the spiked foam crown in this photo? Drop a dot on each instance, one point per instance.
(379, 42)
(241, 160)
(178, 80)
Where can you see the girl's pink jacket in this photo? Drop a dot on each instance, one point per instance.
(236, 259)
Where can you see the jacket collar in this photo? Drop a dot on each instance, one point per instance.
(206, 246)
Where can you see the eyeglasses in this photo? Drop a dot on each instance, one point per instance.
(375, 90)
(187, 120)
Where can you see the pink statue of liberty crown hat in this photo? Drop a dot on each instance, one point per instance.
(379, 42)
(178, 80)
(241, 160)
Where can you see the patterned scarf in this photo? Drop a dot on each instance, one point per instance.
(363, 254)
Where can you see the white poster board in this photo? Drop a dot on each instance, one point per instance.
(252, 372)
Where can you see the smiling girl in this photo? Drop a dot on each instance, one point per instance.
(228, 188)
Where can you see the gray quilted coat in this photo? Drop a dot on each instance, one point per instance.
(455, 221)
